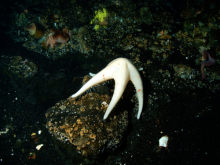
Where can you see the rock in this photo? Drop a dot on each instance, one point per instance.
(79, 124)
(22, 68)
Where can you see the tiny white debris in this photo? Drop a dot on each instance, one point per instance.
(39, 132)
(4, 132)
(104, 103)
(163, 141)
(92, 74)
(39, 146)
(141, 69)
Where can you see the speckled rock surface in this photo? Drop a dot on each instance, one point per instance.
(79, 123)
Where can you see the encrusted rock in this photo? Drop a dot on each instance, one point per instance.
(23, 68)
(79, 123)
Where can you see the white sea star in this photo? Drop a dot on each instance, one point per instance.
(121, 70)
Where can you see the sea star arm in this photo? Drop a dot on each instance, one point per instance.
(96, 79)
(104, 75)
(211, 61)
(137, 81)
(121, 77)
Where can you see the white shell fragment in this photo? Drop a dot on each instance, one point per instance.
(4, 132)
(163, 141)
(39, 132)
(39, 146)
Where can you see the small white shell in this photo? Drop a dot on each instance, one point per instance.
(39, 146)
(163, 141)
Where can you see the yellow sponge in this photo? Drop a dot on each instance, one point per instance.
(100, 16)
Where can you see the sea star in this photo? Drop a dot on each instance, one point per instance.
(121, 70)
